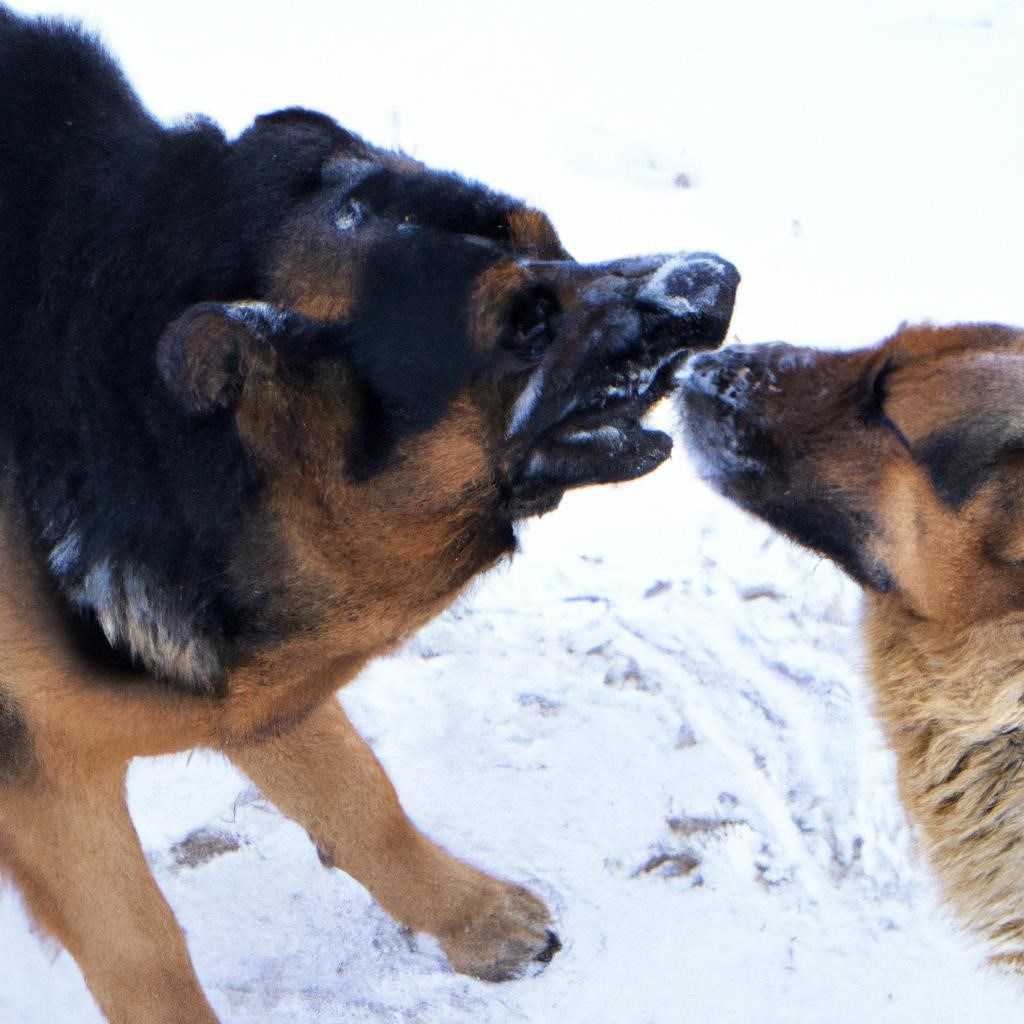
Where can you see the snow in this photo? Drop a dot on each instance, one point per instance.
(656, 715)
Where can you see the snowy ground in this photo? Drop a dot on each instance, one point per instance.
(655, 716)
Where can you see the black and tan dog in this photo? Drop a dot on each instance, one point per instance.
(266, 407)
(904, 463)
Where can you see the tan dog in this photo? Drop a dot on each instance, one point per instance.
(904, 463)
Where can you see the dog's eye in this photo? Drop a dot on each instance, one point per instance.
(533, 323)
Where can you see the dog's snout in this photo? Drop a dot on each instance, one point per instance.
(691, 283)
(623, 330)
(726, 376)
(678, 301)
(688, 298)
(734, 375)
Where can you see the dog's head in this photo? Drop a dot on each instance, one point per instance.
(414, 291)
(420, 365)
(904, 463)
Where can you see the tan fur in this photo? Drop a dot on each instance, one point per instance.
(946, 639)
(313, 276)
(946, 646)
(71, 847)
(533, 231)
(942, 557)
(952, 704)
(324, 776)
(381, 558)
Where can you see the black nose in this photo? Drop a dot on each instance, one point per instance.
(733, 375)
(658, 304)
(697, 282)
(724, 375)
(688, 300)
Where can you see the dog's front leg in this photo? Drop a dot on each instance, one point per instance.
(322, 773)
(74, 853)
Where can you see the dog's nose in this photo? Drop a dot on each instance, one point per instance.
(732, 375)
(725, 375)
(689, 298)
(698, 282)
(662, 304)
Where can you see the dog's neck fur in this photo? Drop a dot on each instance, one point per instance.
(952, 705)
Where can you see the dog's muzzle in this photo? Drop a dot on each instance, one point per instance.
(719, 398)
(625, 329)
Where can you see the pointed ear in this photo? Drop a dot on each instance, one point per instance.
(206, 355)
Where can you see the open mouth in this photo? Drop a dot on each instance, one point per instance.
(580, 421)
(602, 438)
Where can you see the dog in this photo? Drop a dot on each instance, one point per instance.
(268, 405)
(904, 464)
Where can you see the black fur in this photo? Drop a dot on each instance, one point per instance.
(962, 458)
(393, 342)
(823, 523)
(149, 274)
(111, 226)
(441, 201)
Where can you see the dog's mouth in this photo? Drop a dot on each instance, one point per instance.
(579, 419)
(602, 437)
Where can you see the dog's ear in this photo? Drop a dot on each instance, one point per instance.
(207, 354)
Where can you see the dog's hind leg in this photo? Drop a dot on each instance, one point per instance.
(73, 851)
(322, 773)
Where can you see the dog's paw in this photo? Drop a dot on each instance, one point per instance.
(503, 936)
